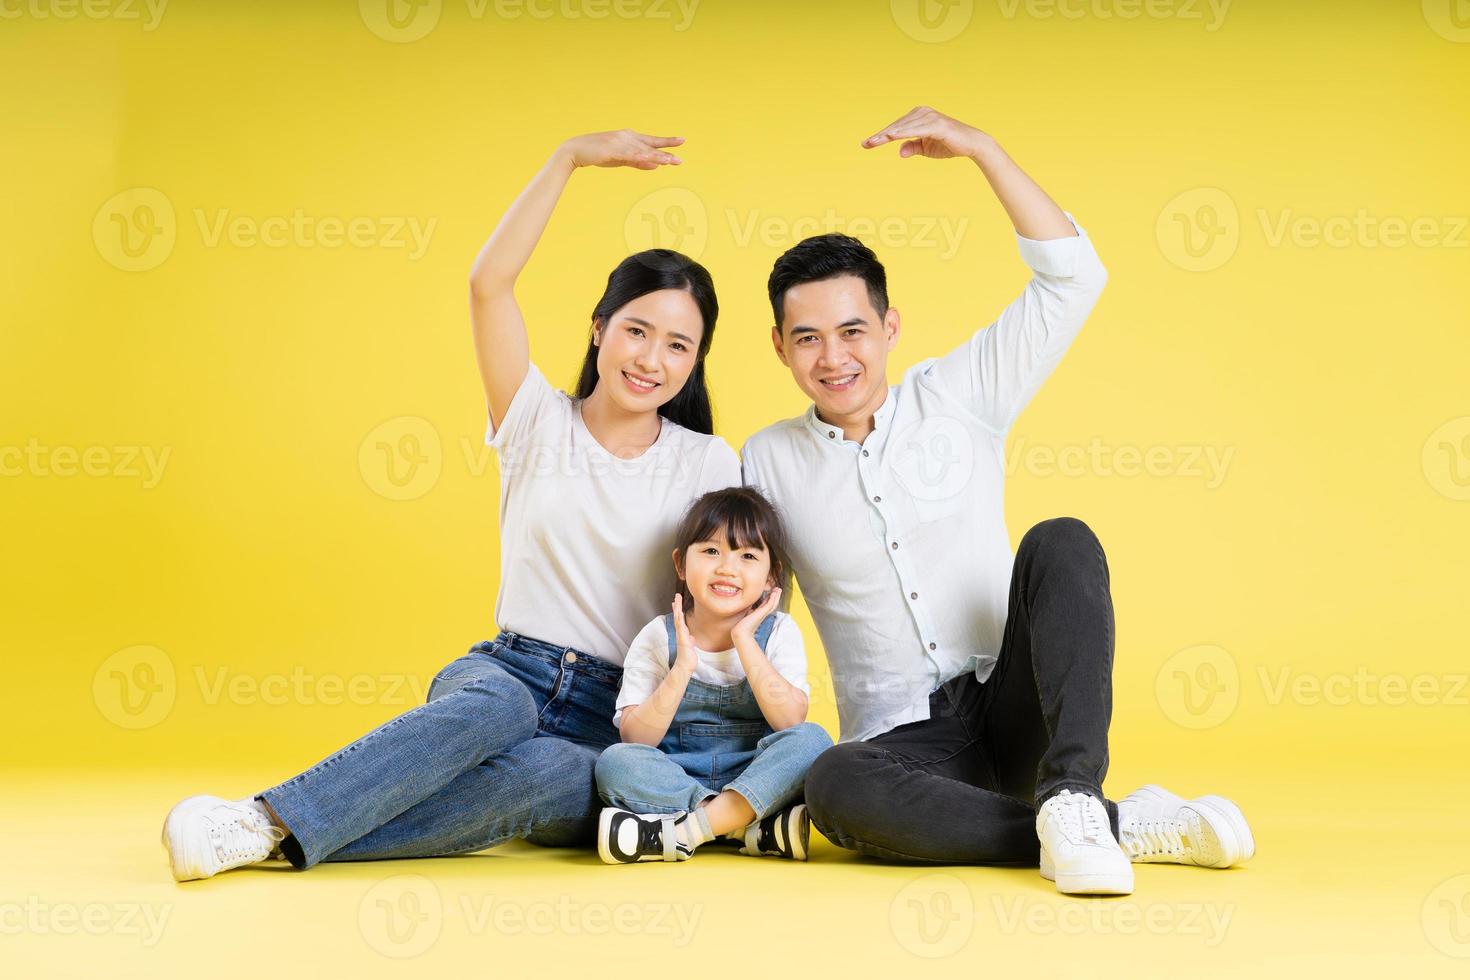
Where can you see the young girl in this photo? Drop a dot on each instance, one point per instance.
(714, 744)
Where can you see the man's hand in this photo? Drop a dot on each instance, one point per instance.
(621, 148)
(928, 133)
(745, 628)
(685, 659)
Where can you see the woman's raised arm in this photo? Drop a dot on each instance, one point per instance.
(501, 345)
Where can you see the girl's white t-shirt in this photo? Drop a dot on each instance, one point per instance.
(647, 663)
(586, 538)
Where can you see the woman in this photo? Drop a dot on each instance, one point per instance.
(592, 487)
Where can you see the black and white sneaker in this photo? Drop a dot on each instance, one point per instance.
(784, 833)
(625, 837)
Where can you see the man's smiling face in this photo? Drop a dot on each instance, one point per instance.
(836, 345)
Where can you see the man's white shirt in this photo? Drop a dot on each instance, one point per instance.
(899, 543)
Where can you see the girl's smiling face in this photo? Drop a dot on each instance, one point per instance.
(724, 580)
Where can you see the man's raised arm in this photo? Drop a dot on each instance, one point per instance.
(1001, 367)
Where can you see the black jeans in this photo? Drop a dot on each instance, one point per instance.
(963, 787)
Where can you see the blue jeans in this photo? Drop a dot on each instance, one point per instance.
(505, 747)
(644, 779)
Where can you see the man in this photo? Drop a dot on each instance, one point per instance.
(974, 692)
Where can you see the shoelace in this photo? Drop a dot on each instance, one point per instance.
(240, 835)
(651, 836)
(765, 838)
(1079, 821)
(1155, 837)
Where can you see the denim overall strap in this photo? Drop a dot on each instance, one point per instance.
(762, 634)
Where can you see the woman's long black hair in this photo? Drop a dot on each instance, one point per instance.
(648, 272)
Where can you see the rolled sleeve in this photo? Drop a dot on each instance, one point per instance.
(1073, 257)
(996, 373)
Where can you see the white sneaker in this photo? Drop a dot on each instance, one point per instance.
(1158, 827)
(205, 835)
(1078, 851)
(625, 837)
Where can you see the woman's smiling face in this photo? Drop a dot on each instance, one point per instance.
(648, 348)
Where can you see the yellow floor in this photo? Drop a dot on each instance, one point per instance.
(1348, 881)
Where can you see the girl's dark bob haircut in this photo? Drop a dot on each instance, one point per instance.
(744, 517)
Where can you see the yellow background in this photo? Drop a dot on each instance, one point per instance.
(270, 555)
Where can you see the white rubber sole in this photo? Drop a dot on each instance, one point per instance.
(1087, 884)
(604, 822)
(801, 840)
(1236, 840)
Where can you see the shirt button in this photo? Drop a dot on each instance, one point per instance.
(933, 647)
(913, 595)
(895, 546)
(831, 435)
(877, 500)
(571, 657)
(865, 452)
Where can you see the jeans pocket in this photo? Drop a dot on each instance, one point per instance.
(452, 670)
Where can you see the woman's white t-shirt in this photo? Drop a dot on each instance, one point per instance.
(586, 538)
(647, 663)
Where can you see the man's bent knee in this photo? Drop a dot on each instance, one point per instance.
(1061, 535)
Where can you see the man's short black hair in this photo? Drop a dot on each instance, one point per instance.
(826, 257)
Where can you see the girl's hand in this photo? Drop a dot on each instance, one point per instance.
(745, 629)
(622, 148)
(684, 657)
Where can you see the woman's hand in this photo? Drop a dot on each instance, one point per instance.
(685, 658)
(621, 148)
(745, 629)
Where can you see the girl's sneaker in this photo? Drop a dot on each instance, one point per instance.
(784, 833)
(205, 835)
(625, 837)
